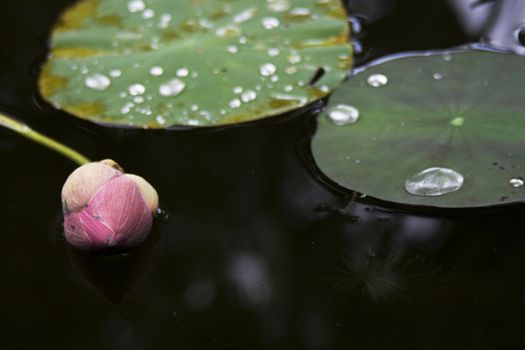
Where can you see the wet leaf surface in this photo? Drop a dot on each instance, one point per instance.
(443, 130)
(161, 63)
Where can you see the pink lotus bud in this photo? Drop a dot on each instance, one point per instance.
(107, 209)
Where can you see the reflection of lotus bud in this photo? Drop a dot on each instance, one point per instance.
(107, 209)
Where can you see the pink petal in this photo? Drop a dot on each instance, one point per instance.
(86, 232)
(120, 205)
(75, 232)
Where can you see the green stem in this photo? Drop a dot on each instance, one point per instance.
(31, 134)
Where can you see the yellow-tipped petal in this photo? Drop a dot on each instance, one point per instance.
(84, 182)
(112, 163)
(147, 191)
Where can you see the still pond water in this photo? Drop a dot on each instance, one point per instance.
(255, 252)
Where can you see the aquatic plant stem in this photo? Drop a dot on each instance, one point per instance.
(31, 134)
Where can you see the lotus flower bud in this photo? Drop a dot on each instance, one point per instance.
(104, 208)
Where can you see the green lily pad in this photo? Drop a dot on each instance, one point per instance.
(159, 63)
(441, 130)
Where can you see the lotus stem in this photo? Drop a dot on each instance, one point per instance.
(26, 131)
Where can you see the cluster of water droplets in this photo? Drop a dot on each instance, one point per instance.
(161, 81)
(345, 114)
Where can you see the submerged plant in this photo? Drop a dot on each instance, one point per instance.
(392, 277)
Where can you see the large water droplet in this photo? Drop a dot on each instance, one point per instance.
(342, 114)
(270, 23)
(434, 182)
(267, 69)
(517, 182)
(172, 88)
(136, 6)
(98, 82)
(377, 80)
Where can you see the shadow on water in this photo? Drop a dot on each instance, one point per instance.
(257, 253)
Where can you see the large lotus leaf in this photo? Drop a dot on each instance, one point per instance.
(463, 113)
(158, 63)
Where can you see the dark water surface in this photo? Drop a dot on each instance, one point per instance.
(256, 253)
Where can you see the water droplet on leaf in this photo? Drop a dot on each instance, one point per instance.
(434, 181)
(457, 121)
(437, 76)
(98, 82)
(273, 52)
(517, 182)
(147, 14)
(156, 71)
(172, 88)
(233, 49)
(294, 58)
(278, 5)
(236, 103)
(136, 6)
(183, 72)
(299, 12)
(267, 69)
(270, 22)
(342, 115)
(377, 80)
(165, 20)
(160, 119)
(115, 73)
(136, 89)
(244, 16)
(249, 96)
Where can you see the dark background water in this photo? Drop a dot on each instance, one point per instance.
(256, 252)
